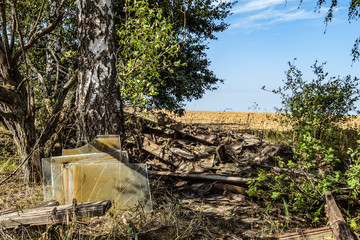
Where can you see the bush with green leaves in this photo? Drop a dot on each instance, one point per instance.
(319, 105)
(316, 110)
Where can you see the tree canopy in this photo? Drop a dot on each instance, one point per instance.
(193, 23)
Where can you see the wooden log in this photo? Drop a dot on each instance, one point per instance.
(53, 215)
(337, 222)
(204, 177)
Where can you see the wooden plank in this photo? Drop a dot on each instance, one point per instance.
(220, 153)
(44, 204)
(312, 234)
(337, 222)
(204, 177)
(53, 215)
(182, 153)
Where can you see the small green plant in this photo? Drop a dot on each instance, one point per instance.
(316, 110)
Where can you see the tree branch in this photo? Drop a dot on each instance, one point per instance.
(13, 30)
(7, 96)
(7, 116)
(38, 19)
(37, 35)
(61, 97)
(4, 39)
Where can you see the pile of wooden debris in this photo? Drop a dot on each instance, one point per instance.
(210, 160)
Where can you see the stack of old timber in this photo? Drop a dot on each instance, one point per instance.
(228, 161)
(196, 152)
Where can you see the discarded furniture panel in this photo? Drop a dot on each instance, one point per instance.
(324, 233)
(337, 222)
(102, 143)
(53, 215)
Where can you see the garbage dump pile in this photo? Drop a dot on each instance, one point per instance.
(196, 149)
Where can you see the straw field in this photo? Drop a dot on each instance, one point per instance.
(232, 120)
(243, 120)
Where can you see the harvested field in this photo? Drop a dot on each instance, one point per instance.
(241, 120)
(232, 120)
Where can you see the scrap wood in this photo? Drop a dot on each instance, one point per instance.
(182, 153)
(204, 177)
(205, 138)
(313, 234)
(162, 119)
(230, 188)
(337, 222)
(44, 204)
(158, 151)
(53, 215)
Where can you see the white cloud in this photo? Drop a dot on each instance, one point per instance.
(257, 5)
(261, 13)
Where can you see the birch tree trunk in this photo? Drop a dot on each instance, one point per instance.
(98, 98)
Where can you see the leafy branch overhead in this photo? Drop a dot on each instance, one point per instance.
(147, 47)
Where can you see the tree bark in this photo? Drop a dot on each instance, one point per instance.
(98, 99)
(22, 126)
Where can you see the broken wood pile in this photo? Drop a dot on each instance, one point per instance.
(199, 153)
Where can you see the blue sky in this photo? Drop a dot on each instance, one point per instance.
(263, 37)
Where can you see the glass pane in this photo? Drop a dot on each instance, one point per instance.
(106, 143)
(53, 171)
(125, 183)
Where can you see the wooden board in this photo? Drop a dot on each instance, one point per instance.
(324, 233)
(53, 215)
(205, 177)
(337, 222)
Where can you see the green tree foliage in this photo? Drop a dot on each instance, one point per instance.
(147, 48)
(193, 24)
(353, 15)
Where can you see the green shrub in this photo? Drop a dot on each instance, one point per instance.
(316, 110)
